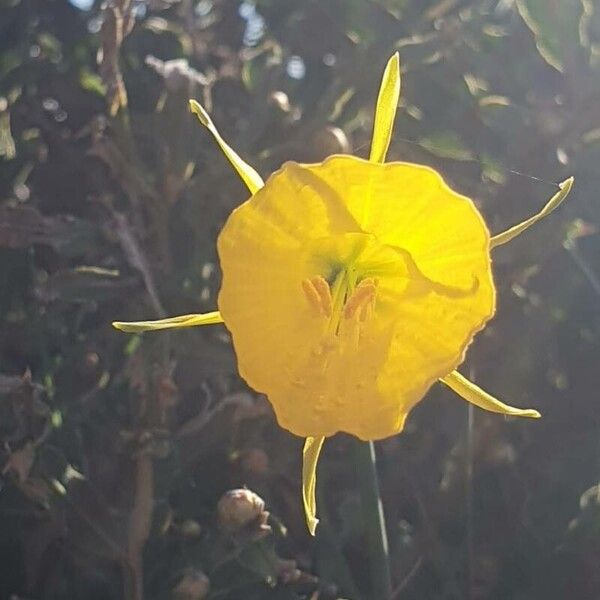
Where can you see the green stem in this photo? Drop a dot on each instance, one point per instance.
(374, 521)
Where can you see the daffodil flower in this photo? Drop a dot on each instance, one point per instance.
(350, 286)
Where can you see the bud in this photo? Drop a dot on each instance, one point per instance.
(242, 511)
(331, 140)
(280, 101)
(193, 585)
(190, 529)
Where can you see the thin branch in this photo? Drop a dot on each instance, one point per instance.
(139, 526)
(407, 580)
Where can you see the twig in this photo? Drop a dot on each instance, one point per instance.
(117, 23)
(138, 260)
(407, 580)
(196, 424)
(115, 547)
(139, 526)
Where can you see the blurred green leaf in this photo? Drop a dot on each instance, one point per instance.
(446, 144)
(556, 27)
(92, 82)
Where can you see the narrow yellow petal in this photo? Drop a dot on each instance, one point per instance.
(310, 457)
(249, 176)
(515, 230)
(385, 111)
(171, 323)
(475, 395)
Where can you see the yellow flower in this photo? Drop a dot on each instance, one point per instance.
(351, 286)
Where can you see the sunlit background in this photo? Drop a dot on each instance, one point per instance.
(116, 452)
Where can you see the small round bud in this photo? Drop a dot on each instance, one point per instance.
(193, 585)
(331, 140)
(91, 360)
(280, 101)
(242, 509)
(190, 528)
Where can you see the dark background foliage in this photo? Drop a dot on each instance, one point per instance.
(115, 449)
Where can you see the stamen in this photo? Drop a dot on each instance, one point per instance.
(324, 292)
(362, 297)
(310, 291)
(367, 310)
(318, 294)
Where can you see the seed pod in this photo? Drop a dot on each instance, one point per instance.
(242, 511)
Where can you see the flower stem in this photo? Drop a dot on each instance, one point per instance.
(374, 521)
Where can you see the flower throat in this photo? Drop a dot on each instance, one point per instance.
(346, 298)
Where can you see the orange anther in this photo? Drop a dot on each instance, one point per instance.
(311, 294)
(363, 296)
(324, 292)
(318, 295)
